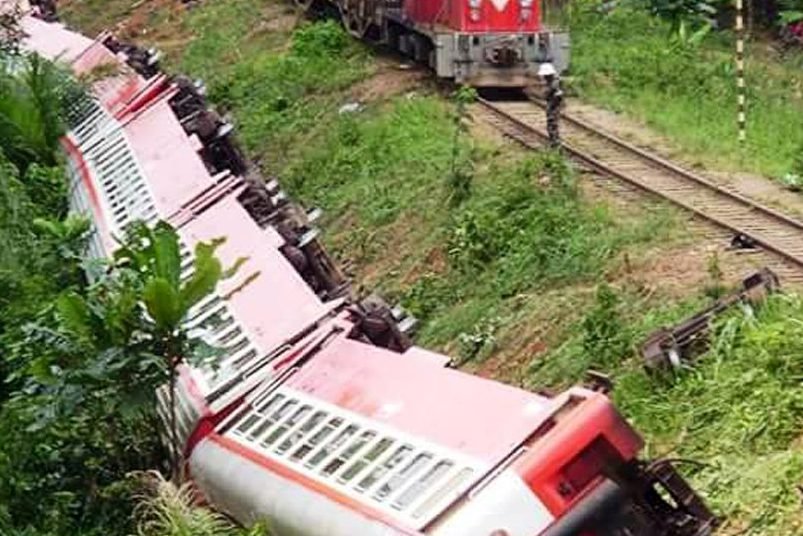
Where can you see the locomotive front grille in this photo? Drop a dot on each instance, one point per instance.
(498, 60)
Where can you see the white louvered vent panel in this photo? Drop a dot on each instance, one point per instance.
(124, 187)
(384, 468)
(211, 320)
(116, 173)
(127, 198)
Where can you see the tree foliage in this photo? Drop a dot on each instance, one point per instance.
(79, 359)
(33, 95)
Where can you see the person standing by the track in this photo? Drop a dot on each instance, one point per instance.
(554, 100)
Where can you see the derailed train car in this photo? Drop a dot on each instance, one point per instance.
(322, 417)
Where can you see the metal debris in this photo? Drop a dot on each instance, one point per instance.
(669, 348)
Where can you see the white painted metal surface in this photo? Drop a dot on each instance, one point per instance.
(504, 504)
(250, 493)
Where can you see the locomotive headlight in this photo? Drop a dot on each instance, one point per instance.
(526, 3)
(474, 12)
(525, 13)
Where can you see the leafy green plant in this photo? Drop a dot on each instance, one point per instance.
(606, 339)
(690, 20)
(165, 509)
(31, 111)
(480, 341)
(153, 254)
(461, 172)
(715, 287)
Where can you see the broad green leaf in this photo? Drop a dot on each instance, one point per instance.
(230, 271)
(163, 303)
(167, 258)
(790, 17)
(52, 227)
(74, 314)
(208, 272)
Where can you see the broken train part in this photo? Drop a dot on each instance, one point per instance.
(669, 348)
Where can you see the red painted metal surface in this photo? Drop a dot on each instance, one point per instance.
(494, 16)
(595, 418)
(478, 417)
(53, 41)
(266, 294)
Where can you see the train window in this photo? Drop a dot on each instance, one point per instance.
(277, 415)
(199, 311)
(317, 437)
(286, 425)
(246, 358)
(230, 336)
(239, 345)
(248, 422)
(219, 321)
(363, 462)
(399, 479)
(348, 452)
(426, 481)
(311, 423)
(202, 318)
(270, 403)
(333, 445)
(401, 454)
(450, 486)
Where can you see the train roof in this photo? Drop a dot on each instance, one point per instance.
(131, 159)
(443, 405)
(52, 40)
(258, 294)
(359, 420)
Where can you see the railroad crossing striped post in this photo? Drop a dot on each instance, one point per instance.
(742, 116)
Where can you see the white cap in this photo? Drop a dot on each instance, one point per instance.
(546, 69)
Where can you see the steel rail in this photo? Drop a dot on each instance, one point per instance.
(783, 224)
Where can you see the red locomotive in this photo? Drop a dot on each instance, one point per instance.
(322, 417)
(482, 43)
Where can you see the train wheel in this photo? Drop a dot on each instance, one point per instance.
(356, 25)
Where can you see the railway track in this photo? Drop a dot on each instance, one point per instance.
(773, 231)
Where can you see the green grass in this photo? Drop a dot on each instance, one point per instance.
(280, 95)
(738, 411)
(512, 274)
(625, 61)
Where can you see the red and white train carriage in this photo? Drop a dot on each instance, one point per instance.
(322, 418)
(482, 43)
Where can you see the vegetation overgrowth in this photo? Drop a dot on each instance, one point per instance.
(630, 61)
(524, 250)
(80, 356)
(522, 245)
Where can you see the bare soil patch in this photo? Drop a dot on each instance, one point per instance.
(391, 78)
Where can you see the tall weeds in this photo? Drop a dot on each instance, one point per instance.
(165, 509)
(31, 111)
